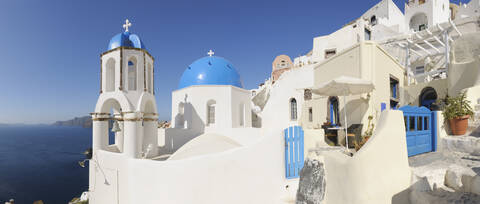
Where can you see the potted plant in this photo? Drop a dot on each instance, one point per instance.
(368, 133)
(457, 111)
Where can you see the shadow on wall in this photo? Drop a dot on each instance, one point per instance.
(178, 136)
(463, 76)
(356, 110)
(364, 175)
(256, 120)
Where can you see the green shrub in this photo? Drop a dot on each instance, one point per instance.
(457, 107)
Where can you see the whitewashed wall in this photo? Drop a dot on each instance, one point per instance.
(366, 61)
(195, 98)
(254, 173)
(378, 173)
(437, 11)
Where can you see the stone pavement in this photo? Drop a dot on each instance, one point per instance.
(445, 177)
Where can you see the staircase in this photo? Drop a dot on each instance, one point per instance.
(474, 126)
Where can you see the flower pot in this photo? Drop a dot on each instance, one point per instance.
(459, 125)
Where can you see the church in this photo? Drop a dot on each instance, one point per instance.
(228, 144)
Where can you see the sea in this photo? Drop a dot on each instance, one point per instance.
(41, 163)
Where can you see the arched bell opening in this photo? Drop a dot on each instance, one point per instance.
(149, 142)
(108, 127)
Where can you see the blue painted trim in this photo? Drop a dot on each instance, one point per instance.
(290, 139)
(434, 130)
(419, 139)
(333, 117)
(331, 114)
(294, 151)
(395, 90)
(415, 109)
(383, 106)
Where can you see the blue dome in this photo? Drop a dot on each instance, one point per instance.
(125, 39)
(210, 70)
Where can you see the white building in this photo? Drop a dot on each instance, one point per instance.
(211, 144)
(227, 144)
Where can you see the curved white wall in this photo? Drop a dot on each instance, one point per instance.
(254, 173)
(378, 173)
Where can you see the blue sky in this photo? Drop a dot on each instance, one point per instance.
(50, 50)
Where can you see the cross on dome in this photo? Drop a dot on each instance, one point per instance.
(126, 25)
(210, 53)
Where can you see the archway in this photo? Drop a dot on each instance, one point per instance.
(113, 135)
(419, 22)
(333, 111)
(427, 98)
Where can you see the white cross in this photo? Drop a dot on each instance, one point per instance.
(126, 25)
(210, 53)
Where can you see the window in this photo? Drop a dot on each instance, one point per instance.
(425, 123)
(149, 78)
(394, 96)
(310, 114)
(419, 70)
(411, 120)
(307, 94)
(211, 112)
(180, 117)
(333, 111)
(373, 20)
(329, 53)
(110, 75)
(368, 34)
(422, 27)
(132, 74)
(293, 109)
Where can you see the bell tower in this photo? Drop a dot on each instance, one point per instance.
(126, 107)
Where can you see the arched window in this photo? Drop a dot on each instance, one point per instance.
(132, 74)
(241, 113)
(211, 112)
(333, 116)
(110, 75)
(149, 78)
(180, 118)
(293, 109)
(373, 20)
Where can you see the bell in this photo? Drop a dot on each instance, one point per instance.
(82, 163)
(116, 127)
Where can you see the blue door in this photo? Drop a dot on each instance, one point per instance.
(293, 151)
(420, 129)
